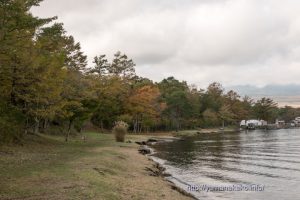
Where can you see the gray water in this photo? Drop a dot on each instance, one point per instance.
(270, 159)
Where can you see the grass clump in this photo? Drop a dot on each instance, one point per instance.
(120, 130)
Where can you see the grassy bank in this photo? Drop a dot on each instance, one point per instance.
(206, 130)
(48, 168)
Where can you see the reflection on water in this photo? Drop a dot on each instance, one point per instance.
(269, 158)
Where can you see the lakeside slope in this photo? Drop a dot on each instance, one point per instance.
(48, 168)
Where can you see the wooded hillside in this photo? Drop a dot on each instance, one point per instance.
(47, 86)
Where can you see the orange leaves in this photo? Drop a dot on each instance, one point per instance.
(145, 100)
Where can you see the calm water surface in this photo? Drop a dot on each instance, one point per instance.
(269, 158)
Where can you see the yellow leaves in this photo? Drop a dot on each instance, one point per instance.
(145, 101)
(210, 116)
(163, 106)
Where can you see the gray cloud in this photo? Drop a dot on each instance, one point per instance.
(231, 41)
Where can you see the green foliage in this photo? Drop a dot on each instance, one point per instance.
(40, 68)
(120, 66)
(101, 66)
(175, 94)
(210, 118)
(45, 84)
(288, 113)
(111, 93)
(125, 118)
(266, 109)
(11, 121)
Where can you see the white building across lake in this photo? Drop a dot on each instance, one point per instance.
(254, 122)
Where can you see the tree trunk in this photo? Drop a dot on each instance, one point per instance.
(141, 128)
(26, 126)
(36, 125)
(45, 124)
(177, 124)
(13, 85)
(101, 126)
(135, 126)
(69, 130)
(141, 123)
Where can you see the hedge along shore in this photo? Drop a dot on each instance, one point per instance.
(45, 167)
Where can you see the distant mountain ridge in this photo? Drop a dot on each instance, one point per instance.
(284, 95)
(268, 90)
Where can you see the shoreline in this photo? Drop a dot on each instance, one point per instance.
(161, 167)
(167, 176)
(98, 168)
(46, 167)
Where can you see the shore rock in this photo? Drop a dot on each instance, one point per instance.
(151, 140)
(145, 150)
(141, 143)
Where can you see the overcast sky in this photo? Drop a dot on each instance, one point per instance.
(234, 42)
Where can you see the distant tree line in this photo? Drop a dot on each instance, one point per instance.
(46, 86)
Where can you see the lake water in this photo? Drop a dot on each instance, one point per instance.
(270, 159)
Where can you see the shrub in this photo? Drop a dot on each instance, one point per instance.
(120, 130)
(11, 124)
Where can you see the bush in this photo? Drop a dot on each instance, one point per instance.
(11, 124)
(120, 130)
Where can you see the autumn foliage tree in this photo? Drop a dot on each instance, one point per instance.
(46, 86)
(144, 107)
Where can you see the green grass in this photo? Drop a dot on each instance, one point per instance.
(46, 167)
